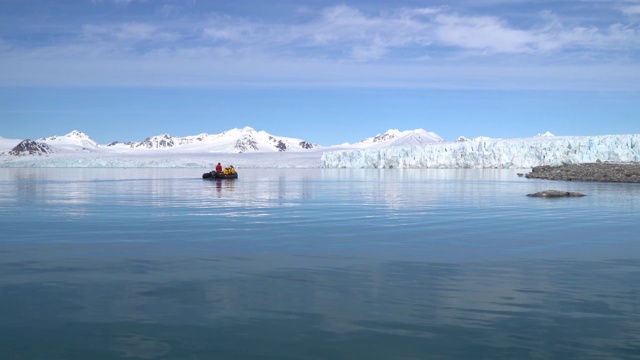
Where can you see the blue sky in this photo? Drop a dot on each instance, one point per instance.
(324, 71)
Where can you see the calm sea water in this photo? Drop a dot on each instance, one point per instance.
(315, 264)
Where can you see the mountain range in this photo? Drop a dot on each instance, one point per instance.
(486, 138)
(248, 148)
(244, 140)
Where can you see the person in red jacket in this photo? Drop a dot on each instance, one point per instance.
(218, 168)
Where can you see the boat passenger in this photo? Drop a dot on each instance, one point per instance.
(218, 168)
(232, 170)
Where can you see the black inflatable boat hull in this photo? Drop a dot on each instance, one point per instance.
(217, 175)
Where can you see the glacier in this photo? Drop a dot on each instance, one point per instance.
(545, 149)
(496, 154)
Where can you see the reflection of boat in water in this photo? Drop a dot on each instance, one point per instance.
(219, 175)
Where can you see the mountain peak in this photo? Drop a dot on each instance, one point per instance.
(395, 137)
(233, 132)
(30, 147)
(546, 134)
(236, 140)
(477, 138)
(159, 141)
(74, 139)
(388, 135)
(78, 135)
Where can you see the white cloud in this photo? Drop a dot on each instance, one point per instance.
(227, 29)
(346, 33)
(631, 9)
(483, 33)
(167, 10)
(338, 46)
(422, 11)
(127, 32)
(369, 37)
(368, 52)
(345, 30)
(628, 7)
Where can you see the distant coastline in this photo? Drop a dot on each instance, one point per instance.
(597, 172)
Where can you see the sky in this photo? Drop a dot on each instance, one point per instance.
(327, 72)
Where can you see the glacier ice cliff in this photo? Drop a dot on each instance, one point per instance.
(507, 153)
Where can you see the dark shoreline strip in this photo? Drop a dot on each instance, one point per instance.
(598, 171)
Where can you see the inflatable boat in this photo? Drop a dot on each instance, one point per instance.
(219, 175)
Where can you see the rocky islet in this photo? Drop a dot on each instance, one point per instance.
(598, 171)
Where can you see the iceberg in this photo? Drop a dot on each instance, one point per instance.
(496, 154)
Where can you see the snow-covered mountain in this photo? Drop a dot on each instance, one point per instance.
(30, 147)
(479, 138)
(486, 138)
(546, 134)
(74, 140)
(507, 153)
(394, 137)
(235, 140)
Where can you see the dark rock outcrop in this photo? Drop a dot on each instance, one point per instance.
(130, 144)
(599, 171)
(279, 144)
(306, 145)
(555, 194)
(30, 147)
(246, 142)
(157, 142)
